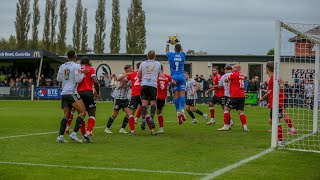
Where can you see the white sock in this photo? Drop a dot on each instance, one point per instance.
(74, 133)
(245, 126)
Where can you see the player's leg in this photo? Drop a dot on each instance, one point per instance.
(124, 106)
(196, 110)
(138, 115)
(160, 119)
(289, 122)
(112, 118)
(193, 109)
(226, 115)
(176, 99)
(213, 101)
(70, 120)
(243, 117)
(133, 105)
(80, 108)
(153, 108)
(63, 124)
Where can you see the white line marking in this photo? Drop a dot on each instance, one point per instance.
(103, 168)
(244, 161)
(37, 134)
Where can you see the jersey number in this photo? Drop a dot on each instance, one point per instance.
(66, 74)
(177, 66)
(136, 81)
(162, 85)
(241, 82)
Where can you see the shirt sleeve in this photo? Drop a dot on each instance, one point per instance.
(169, 54)
(170, 79)
(60, 74)
(78, 75)
(231, 76)
(92, 72)
(221, 81)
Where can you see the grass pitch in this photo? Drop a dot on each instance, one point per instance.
(187, 151)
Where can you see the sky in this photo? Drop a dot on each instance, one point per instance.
(219, 27)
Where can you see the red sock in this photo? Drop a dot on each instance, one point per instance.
(91, 122)
(70, 119)
(138, 114)
(211, 112)
(148, 122)
(131, 123)
(160, 119)
(280, 137)
(289, 122)
(83, 128)
(226, 117)
(243, 119)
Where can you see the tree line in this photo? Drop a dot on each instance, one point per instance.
(54, 33)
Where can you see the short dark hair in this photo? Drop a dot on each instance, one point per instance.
(127, 66)
(178, 47)
(152, 54)
(186, 72)
(138, 65)
(228, 68)
(85, 61)
(71, 54)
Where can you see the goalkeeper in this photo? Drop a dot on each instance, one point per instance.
(176, 60)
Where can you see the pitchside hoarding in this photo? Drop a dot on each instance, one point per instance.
(48, 93)
(21, 54)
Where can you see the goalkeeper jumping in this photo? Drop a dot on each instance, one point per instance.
(176, 60)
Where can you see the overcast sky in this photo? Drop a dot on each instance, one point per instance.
(217, 26)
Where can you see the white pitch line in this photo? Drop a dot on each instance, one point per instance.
(36, 134)
(244, 161)
(103, 168)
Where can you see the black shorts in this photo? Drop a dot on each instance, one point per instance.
(160, 104)
(88, 99)
(68, 99)
(218, 100)
(280, 115)
(135, 101)
(149, 93)
(120, 104)
(191, 102)
(225, 100)
(236, 103)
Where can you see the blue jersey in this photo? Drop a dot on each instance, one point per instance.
(176, 60)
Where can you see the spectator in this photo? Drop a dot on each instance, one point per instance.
(256, 78)
(287, 89)
(253, 87)
(107, 80)
(246, 84)
(114, 82)
(42, 80)
(48, 82)
(101, 81)
(198, 79)
(308, 92)
(2, 77)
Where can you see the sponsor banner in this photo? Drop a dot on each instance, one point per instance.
(251, 99)
(303, 73)
(48, 93)
(21, 54)
(4, 90)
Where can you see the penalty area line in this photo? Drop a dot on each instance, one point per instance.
(103, 168)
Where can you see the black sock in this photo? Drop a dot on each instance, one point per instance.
(63, 125)
(125, 122)
(191, 114)
(153, 111)
(110, 121)
(144, 112)
(78, 123)
(199, 112)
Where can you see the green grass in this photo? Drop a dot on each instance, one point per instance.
(190, 147)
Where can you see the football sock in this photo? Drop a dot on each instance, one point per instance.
(199, 112)
(91, 122)
(110, 121)
(243, 119)
(148, 122)
(153, 111)
(289, 122)
(70, 119)
(161, 120)
(131, 123)
(280, 137)
(226, 117)
(63, 125)
(83, 128)
(177, 104)
(191, 114)
(144, 112)
(79, 120)
(211, 112)
(182, 102)
(138, 114)
(125, 122)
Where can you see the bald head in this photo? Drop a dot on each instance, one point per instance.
(236, 68)
(152, 55)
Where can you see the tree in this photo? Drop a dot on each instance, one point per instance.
(270, 52)
(101, 22)
(63, 28)
(77, 27)
(84, 40)
(193, 52)
(46, 28)
(22, 23)
(115, 31)
(136, 31)
(35, 24)
(12, 42)
(53, 24)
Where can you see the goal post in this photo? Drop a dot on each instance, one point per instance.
(296, 66)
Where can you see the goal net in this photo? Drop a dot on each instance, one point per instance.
(296, 68)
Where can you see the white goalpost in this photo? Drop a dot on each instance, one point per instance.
(296, 74)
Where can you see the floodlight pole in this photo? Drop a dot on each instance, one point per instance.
(39, 73)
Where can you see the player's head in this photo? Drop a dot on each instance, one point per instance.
(138, 65)
(186, 75)
(72, 56)
(152, 55)
(214, 71)
(228, 69)
(128, 68)
(177, 48)
(236, 68)
(269, 67)
(85, 61)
